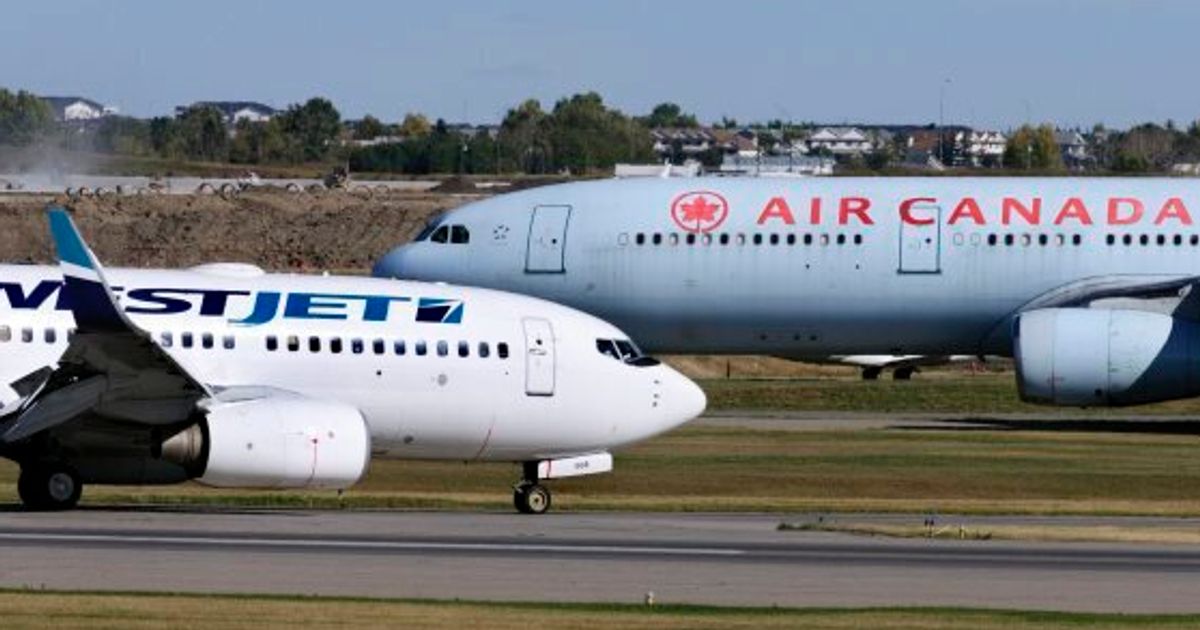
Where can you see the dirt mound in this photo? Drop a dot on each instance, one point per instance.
(277, 231)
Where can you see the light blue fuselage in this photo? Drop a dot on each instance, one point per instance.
(874, 265)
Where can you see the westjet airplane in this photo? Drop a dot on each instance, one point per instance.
(1088, 283)
(236, 378)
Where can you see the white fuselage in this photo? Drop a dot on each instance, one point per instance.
(486, 376)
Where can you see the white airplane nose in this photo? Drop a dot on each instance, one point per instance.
(685, 400)
(391, 265)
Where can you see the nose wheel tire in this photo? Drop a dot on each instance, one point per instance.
(49, 487)
(531, 498)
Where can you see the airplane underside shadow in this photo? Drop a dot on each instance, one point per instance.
(1149, 426)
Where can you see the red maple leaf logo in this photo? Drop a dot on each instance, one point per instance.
(700, 211)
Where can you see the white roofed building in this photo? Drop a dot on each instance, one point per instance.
(840, 141)
(77, 108)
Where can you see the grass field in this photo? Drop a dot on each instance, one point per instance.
(51, 609)
(1083, 463)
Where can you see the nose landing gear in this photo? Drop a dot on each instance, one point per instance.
(529, 496)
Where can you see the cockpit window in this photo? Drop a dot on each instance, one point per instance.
(433, 224)
(440, 235)
(625, 351)
(459, 234)
(607, 347)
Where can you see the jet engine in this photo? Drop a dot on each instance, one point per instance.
(1097, 357)
(274, 443)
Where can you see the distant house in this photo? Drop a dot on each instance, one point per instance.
(688, 141)
(234, 112)
(77, 108)
(980, 147)
(841, 141)
(1074, 148)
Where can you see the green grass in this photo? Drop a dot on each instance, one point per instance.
(938, 392)
(69, 609)
(703, 468)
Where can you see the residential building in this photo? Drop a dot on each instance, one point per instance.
(77, 108)
(776, 165)
(840, 141)
(1074, 148)
(234, 112)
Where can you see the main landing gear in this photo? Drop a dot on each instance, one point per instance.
(49, 486)
(529, 496)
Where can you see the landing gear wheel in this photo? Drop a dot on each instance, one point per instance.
(531, 498)
(903, 374)
(871, 373)
(49, 487)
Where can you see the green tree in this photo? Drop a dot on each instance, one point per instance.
(202, 134)
(24, 118)
(1033, 148)
(313, 126)
(263, 143)
(122, 135)
(369, 128)
(669, 115)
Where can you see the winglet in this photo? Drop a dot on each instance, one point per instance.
(87, 292)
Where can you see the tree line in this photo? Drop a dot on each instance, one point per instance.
(579, 134)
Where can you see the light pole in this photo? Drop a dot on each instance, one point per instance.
(942, 118)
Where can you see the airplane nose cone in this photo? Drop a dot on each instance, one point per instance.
(391, 265)
(687, 401)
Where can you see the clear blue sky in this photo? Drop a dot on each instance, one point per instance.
(1072, 62)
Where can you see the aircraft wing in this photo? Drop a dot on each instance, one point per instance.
(111, 367)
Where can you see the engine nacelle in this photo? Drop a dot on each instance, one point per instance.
(275, 443)
(1093, 357)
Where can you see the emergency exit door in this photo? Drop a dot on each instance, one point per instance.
(547, 239)
(539, 357)
(921, 240)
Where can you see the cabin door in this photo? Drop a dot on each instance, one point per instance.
(539, 357)
(921, 244)
(547, 239)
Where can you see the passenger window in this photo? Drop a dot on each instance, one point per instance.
(464, 349)
(758, 239)
(314, 344)
(420, 348)
(502, 350)
(841, 239)
(398, 347)
(1026, 240)
(1008, 239)
(378, 346)
(27, 335)
(640, 239)
(674, 238)
(1179, 239)
(459, 234)
(1127, 239)
(691, 239)
(824, 239)
(356, 346)
(443, 348)
(185, 340)
(808, 239)
(272, 343)
(657, 239)
(858, 238)
(5, 334)
(50, 335)
(484, 350)
(1076, 239)
(1162, 239)
(1195, 239)
(293, 343)
(335, 345)
(229, 342)
(741, 239)
(440, 235)
(774, 239)
(708, 239)
(206, 340)
(1110, 239)
(791, 239)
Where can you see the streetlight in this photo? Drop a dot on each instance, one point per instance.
(942, 118)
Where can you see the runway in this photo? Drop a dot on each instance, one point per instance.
(694, 558)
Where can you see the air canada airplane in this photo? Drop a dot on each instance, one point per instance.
(1088, 283)
(236, 378)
